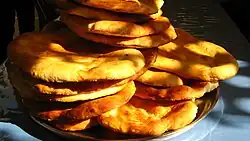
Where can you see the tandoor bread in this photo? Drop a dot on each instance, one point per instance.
(155, 77)
(79, 110)
(63, 57)
(74, 125)
(24, 91)
(150, 41)
(118, 28)
(70, 91)
(145, 7)
(196, 59)
(60, 91)
(144, 117)
(100, 14)
(119, 64)
(97, 107)
(66, 88)
(181, 92)
(105, 87)
(28, 92)
(156, 15)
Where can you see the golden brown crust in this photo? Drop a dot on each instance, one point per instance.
(30, 91)
(182, 92)
(100, 14)
(97, 107)
(19, 84)
(118, 28)
(154, 77)
(144, 117)
(80, 110)
(156, 15)
(196, 59)
(150, 54)
(145, 7)
(86, 88)
(64, 57)
(75, 125)
(69, 92)
(65, 88)
(149, 41)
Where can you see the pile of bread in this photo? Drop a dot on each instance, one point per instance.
(118, 64)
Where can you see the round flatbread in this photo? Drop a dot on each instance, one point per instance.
(64, 57)
(145, 7)
(100, 14)
(99, 88)
(149, 41)
(196, 59)
(182, 92)
(31, 92)
(117, 28)
(19, 85)
(150, 54)
(144, 117)
(69, 92)
(79, 110)
(155, 77)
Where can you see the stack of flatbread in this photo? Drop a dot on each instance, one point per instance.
(118, 64)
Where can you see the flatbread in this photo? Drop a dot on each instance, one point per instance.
(117, 28)
(32, 93)
(70, 92)
(156, 15)
(19, 84)
(144, 117)
(64, 57)
(67, 94)
(154, 77)
(79, 110)
(150, 54)
(196, 59)
(182, 92)
(99, 106)
(145, 7)
(100, 88)
(75, 125)
(149, 41)
(99, 14)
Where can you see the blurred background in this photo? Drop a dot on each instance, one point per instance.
(238, 10)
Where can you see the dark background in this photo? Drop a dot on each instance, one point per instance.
(239, 11)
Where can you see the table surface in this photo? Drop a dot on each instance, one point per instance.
(230, 118)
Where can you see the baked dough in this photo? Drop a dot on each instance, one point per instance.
(74, 125)
(79, 110)
(149, 41)
(39, 90)
(144, 117)
(154, 77)
(117, 28)
(101, 14)
(182, 92)
(29, 91)
(196, 59)
(145, 7)
(64, 57)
